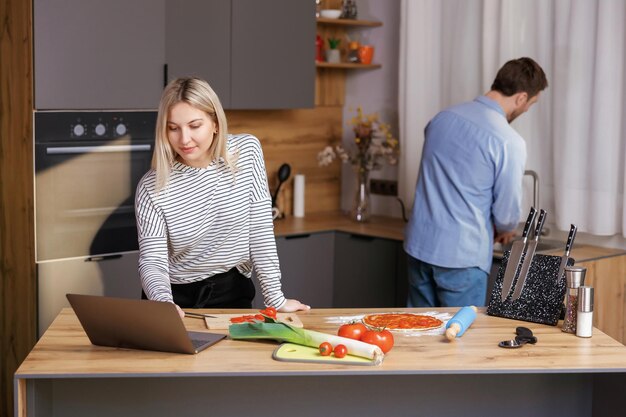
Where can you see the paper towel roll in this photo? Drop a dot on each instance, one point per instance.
(298, 196)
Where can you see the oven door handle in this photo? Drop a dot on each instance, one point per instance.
(66, 150)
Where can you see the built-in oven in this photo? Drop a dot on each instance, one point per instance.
(87, 166)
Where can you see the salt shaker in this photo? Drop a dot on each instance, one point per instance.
(584, 315)
(575, 277)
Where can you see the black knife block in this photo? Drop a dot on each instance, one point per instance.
(541, 300)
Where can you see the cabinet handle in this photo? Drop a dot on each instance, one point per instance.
(302, 236)
(70, 150)
(164, 75)
(102, 258)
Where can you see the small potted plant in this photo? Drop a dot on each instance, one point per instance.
(332, 53)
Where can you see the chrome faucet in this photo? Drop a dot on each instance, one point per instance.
(535, 177)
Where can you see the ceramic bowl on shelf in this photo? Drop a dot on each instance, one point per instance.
(330, 13)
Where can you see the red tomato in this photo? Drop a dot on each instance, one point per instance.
(259, 317)
(381, 338)
(326, 348)
(352, 330)
(269, 312)
(340, 351)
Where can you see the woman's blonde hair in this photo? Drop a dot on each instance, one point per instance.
(199, 94)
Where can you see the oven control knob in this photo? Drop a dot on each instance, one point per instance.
(120, 129)
(100, 129)
(79, 130)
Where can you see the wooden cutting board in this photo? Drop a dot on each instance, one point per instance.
(290, 352)
(222, 321)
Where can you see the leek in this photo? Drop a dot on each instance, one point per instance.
(283, 332)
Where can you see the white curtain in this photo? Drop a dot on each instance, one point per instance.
(575, 135)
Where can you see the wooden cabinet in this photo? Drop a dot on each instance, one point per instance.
(116, 54)
(608, 277)
(365, 271)
(98, 54)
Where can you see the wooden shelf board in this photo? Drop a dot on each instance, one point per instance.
(348, 22)
(346, 65)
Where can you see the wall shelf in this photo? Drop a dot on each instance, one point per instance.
(330, 79)
(348, 22)
(346, 65)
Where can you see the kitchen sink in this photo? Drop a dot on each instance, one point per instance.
(545, 245)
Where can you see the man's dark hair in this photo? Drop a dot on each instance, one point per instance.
(520, 75)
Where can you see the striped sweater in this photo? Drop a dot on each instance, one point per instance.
(207, 221)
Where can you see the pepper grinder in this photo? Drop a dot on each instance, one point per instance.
(584, 316)
(575, 277)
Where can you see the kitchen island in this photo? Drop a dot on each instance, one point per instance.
(64, 375)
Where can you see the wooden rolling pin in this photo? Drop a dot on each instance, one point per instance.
(460, 322)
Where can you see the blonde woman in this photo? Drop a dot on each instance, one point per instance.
(203, 211)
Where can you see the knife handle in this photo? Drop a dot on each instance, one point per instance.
(540, 221)
(529, 222)
(570, 239)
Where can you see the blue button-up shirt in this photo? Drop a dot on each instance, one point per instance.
(470, 179)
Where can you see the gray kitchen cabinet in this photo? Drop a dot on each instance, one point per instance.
(98, 54)
(365, 271)
(306, 264)
(117, 54)
(272, 56)
(198, 42)
(255, 54)
(402, 275)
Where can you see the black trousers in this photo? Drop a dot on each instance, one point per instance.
(230, 289)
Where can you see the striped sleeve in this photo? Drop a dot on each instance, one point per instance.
(262, 240)
(153, 252)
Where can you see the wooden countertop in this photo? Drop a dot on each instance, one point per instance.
(65, 352)
(378, 226)
(393, 228)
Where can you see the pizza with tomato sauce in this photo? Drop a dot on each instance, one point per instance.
(402, 321)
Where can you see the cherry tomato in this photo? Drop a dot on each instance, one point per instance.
(381, 338)
(340, 351)
(325, 348)
(352, 330)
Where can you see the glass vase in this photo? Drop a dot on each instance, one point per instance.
(361, 210)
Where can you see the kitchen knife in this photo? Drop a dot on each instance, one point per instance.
(568, 248)
(528, 256)
(517, 249)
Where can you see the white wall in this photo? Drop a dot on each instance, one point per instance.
(376, 91)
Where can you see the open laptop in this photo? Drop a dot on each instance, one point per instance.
(137, 324)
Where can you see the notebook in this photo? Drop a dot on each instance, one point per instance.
(137, 324)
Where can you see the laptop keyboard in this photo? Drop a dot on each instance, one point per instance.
(198, 343)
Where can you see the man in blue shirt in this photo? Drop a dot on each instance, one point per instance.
(469, 190)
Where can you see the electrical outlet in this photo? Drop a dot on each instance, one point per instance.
(384, 187)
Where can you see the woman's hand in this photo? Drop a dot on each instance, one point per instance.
(293, 305)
